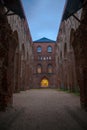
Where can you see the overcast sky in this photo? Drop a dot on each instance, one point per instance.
(43, 17)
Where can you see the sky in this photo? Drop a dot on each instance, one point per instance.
(44, 17)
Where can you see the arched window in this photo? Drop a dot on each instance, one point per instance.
(39, 49)
(40, 58)
(39, 68)
(50, 68)
(49, 49)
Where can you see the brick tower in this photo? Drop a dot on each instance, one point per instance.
(44, 63)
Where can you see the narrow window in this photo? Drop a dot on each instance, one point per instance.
(49, 49)
(49, 57)
(39, 68)
(50, 69)
(39, 49)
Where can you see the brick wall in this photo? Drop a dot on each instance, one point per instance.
(44, 63)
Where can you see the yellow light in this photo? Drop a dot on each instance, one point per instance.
(44, 83)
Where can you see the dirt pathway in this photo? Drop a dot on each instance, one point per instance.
(45, 109)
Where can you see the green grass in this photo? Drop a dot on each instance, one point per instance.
(68, 91)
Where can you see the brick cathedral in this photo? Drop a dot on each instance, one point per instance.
(44, 63)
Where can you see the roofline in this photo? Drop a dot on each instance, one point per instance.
(45, 42)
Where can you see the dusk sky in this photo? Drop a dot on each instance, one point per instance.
(44, 17)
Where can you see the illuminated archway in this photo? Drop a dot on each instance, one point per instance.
(44, 82)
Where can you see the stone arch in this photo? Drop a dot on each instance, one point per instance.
(16, 64)
(50, 68)
(44, 83)
(8, 44)
(16, 69)
(39, 68)
(23, 67)
(72, 67)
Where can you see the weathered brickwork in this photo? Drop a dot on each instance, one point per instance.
(61, 64)
(44, 58)
(71, 55)
(7, 51)
(65, 58)
(79, 44)
(23, 53)
(15, 57)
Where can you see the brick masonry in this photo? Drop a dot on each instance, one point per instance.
(15, 57)
(44, 63)
(71, 55)
(19, 58)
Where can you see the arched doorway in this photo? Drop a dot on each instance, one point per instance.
(16, 64)
(44, 83)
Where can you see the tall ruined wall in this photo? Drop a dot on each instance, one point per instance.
(65, 59)
(23, 53)
(8, 43)
(79, 43)
(15, 57)
(44, 59)
(71, 54)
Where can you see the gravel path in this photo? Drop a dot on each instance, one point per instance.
(44, 109)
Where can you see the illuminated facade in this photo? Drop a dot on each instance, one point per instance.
(44, 63)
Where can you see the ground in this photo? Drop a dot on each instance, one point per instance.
(44, 109)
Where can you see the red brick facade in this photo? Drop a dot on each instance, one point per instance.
(62, 64)
(44, 59)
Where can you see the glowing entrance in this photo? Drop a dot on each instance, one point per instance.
(44, 82)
